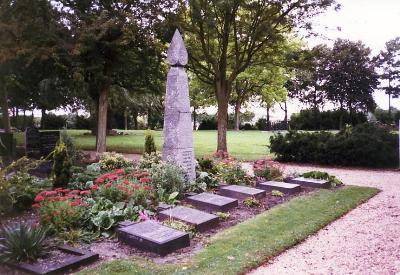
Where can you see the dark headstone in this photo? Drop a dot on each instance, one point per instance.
(154, 237)
(76, 259)
(163, 206)
(48, 141)
(7, 144)
(287, 188)
(200, 220)
(211, 202)
(315, 183)
(241, 192)
(125, 224)
(40, 144)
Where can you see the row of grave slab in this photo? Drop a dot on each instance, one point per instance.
(155, 237)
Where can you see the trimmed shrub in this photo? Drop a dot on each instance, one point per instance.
(149, 145)
(363, 145)
(54, 122)
(62, 166)
(328, 120)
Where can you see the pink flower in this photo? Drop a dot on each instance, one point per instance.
(144, 180)
(39, 198)
(143, 216)
(36, 205)
(86, 192)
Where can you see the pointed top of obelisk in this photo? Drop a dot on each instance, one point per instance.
(177, 54)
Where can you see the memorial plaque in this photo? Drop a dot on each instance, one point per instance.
(211, 202)
(178, 137)
(287, 188)
(154, 237)
(7, 144)
(315, 183)
(40, 144)
(200, 220)
(241, 192)
(48, 141)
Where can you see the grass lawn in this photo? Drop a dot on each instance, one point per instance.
(249, 244)
(243, 145)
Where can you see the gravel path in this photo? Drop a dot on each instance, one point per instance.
(365, 241)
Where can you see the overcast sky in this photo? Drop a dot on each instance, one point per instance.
(374, 22)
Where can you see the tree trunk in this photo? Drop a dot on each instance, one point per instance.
(135, 120)
(126, 119)
(102, 120)
(194, 118)
(237, 115)
(390, 95)
(42, 124)
(223, 91)
(4, 108)
(286, 116)
(24, 120)
(268, 122)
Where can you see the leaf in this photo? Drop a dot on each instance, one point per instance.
(173, 196)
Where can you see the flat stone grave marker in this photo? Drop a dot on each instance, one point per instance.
(211, 202)
(287, 188)
(309, 182)
(154, 237)
(241, 192)
(74, 259)
(202, 221)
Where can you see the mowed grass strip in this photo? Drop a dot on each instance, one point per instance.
(243, 145)
(249, 244)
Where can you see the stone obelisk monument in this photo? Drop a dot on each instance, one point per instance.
(178, 139)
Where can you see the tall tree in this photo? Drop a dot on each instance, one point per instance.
(224, 38)
(389, 62)
(29, 31)
(114, 42)
(351, 77)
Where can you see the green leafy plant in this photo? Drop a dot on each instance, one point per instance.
(62, 166)
(251, 202)
(178, 225)
(277, 193)
(73, 153)
(113, 161)
(149, 145)
(334, 181)
(22, 242)
(231, 172)
(166, 178)
(206, 165)
(223, 215)
(148, 160)
(268, 169)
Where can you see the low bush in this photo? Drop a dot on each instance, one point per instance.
(231, 172)
(251, 202)
(61, 166)
(148, 160)
(327, 120)
(268, 170)
(362, 145)
(53, 122)
(323, 176)
(112, 161)
(22, 242)
(149, 144)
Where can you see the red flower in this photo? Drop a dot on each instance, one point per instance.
(36, 205)
(108, 184)
(95, 187)
(39, 198)
(62, 198)
(144, 180)
(86, 192)
(126, 182)
(76, 202)
(148, 188)
(119, 171)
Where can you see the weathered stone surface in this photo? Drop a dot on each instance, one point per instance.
(202, 221)
(211, 202)
(163, 206)
(241, 192)
(76, 259)
(154, 237)
(177, 54)
(178, 139)
(315, 183)
(287, 188)
(40, 144)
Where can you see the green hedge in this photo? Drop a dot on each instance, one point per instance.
(363, 145)
(328, 120)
